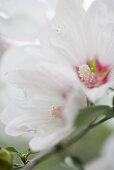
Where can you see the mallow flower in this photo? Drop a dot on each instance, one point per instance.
(22, 21)
(84, 38)
(44, 101)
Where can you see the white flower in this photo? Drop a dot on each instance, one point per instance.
(44, 102)
(21, 21)
(85, 40)
(106, 160)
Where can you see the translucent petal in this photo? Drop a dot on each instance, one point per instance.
(67, 33)
(39, 143)
(23, 20)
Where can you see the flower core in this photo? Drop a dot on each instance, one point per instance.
(93, 73)
(57, 112)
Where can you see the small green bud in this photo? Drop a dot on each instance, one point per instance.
(6, 159)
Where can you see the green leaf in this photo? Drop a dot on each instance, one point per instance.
(12, 149)
(56, 163)
(61, 166)
(90, 114)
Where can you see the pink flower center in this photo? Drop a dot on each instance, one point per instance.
(93, 73)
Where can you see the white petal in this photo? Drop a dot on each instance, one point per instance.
(11, 111)
(96, 93)
(31, 118)
(44, 142)
(106, 100)
(66, 33)
(87, 4)
(18, 58)
(100, 41)
(24, 19)
(28, 80)
(30, 72)
(76, 102)
(30, 57)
